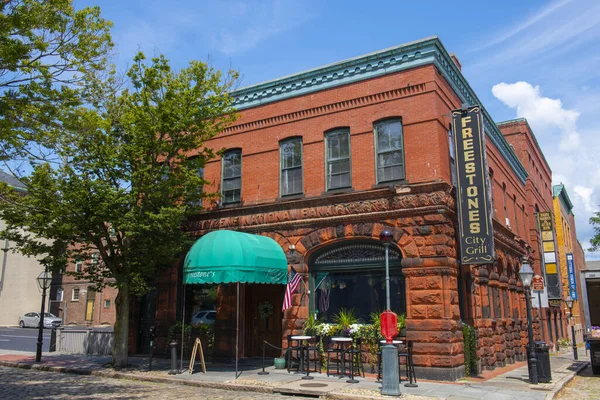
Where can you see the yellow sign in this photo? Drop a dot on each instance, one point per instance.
(551, 268)
(548, 246)
(545, 219)
(547, 235)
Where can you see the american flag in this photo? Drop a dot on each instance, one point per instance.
(294, 280)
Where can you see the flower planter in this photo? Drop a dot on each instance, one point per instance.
(279, 363)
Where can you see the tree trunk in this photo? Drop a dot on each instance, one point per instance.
(120, 347)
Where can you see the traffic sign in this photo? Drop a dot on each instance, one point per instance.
(538, 283)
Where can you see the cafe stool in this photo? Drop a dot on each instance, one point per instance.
(293, 345)
(355, 352)
(336, 349)
(314, 347)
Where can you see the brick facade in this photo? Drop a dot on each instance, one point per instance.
(419, 86)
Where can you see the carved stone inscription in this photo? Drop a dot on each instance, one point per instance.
(333, 210)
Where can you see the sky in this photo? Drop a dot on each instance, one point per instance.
(534, 59)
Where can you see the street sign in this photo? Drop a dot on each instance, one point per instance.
(538, 283)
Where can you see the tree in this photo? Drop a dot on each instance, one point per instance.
(595, 240)
(46, 50)
(128, 179)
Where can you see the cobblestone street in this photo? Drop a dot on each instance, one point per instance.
(584, 386)
(24, 384)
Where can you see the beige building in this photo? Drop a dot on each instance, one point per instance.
(19, 292)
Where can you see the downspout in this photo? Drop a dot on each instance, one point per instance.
(5, 250)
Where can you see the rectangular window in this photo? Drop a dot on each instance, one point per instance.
(78, 266)
(75, 295)
(452, 158)
(291, 167)
(197, 192)
(390, 157)
(338, 159)
(106, 303)
(59, 294)
(232, 177)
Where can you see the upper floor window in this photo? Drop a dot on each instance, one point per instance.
(59, 294)
(338, 171)
(232, 176)
(78, 265)
(390, 157)
(291, 166)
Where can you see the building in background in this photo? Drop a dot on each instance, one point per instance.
(570, 255)
(539, 205)
(78, 304)
(19, 291)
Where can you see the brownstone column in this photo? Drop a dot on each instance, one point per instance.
(432, 317)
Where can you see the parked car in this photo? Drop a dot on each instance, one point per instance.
(32, 319)
(204, 317)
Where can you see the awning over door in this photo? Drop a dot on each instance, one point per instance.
(227, 256)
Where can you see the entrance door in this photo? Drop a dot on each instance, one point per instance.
(147, 320)
(89, 305)
(258, 328)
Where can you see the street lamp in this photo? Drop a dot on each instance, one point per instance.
(569, 302)
(389, 353)
(526, 276)
(43, 280)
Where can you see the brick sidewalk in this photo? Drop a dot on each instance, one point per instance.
(506, 383)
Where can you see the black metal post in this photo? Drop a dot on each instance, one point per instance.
(307, 361)
(575, 356)
(38, 353)
(533, 378)
(152, 328)
(263, 372)
(173, 346)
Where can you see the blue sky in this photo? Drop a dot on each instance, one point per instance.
(533, 59)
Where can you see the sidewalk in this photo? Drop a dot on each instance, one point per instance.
(502, 384)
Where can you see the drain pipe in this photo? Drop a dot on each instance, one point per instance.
(5, 250)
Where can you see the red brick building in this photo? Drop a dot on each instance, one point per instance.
(539, 199)
(322, 161)
(72, 299)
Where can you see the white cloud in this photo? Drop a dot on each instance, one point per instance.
(572, 153)
(585, 194)
(541, 111)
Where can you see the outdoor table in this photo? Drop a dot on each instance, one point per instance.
(346, 341)
(393, 341)
(304, 347)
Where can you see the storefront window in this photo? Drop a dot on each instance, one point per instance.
(352, 276)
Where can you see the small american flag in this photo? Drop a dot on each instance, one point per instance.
(294, 280)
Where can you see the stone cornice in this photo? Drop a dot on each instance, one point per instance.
(428, 51)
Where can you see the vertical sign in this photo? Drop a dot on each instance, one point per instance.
(549, 255)
(473, 198)
(571, 273)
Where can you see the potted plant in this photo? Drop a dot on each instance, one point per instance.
(402, 324)
(344, 318)
(279, 362)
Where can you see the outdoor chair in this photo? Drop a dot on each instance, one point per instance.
(335, 349)
(292, 346)
(314, 348)
(406, 353)
(355, 353)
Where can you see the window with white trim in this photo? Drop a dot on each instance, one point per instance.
(232, 176)
(389, 146)
(291, 166)
(59, 294)
(338, 172)
(75, 294)
(78, 265)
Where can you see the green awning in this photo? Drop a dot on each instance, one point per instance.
(227, 256)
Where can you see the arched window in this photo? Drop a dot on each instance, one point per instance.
(338, 171)
(291, 166)
(231, 186)
(390, 150)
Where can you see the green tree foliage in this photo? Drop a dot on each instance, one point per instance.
(595, 240)
(127, 180)
(46, 51)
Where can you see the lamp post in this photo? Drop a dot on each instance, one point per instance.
(526, 275)
(569, 302)
(389, 353)
(44, 280)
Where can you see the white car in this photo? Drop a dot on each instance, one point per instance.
(32, 319)
(204, 317)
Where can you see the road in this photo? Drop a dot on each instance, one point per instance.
(584, 386)
(22, 339)
(25, 384)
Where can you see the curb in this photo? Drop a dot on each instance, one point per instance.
(564, 381)
(173, 381)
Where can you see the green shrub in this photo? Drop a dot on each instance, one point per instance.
(470, 349)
